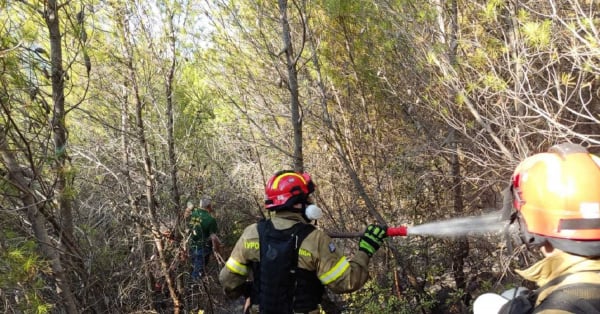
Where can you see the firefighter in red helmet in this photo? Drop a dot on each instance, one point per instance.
(556, 201)
(288, 260)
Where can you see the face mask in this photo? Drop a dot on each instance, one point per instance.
(312, 212)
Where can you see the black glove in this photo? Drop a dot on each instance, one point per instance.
(372, 239)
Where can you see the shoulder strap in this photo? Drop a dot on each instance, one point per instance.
(558, 280)
(554, 284)
(526, 301)
(261, 226)
(573, 298)
(299, 231)
(302, 231)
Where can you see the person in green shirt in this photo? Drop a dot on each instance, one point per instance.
(203, 235)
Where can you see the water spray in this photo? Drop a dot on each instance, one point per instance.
(446, 228)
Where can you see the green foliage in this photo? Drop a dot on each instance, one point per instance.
(494, 82)
(538, 34)
(567, 79)
(523, 15)
(491, 9)
(478, 59)
(375, 298)
(19, 23)
(342, 8)
(460, 99)
(426, 14)
(20, 270)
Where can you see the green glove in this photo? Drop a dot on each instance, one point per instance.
(372, 239)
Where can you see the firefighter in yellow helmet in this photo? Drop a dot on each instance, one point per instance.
(556, 197)
(289, 260)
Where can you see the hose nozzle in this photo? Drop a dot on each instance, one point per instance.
(401, 231)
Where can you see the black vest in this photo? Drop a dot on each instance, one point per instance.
(279, 286)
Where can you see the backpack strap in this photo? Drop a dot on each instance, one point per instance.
(573, 298)
(571, 294)
(578, 296)
(301, 234)
(556, 283)
(298, 231)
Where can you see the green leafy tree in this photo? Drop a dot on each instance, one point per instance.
(42, 174)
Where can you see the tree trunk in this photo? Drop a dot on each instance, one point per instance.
(149, 194)
(60, 142)
(38, 222)
(175, 196)
(149, 188)
(462, 244)
(460, 249)
(512, 38)
(291, 62)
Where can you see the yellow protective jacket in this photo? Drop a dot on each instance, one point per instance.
(317, 253)
(576, 269)
(553, 275)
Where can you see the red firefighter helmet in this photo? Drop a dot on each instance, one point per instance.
(287, 188)
(557, 196)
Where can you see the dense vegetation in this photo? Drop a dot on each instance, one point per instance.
(113, 114)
